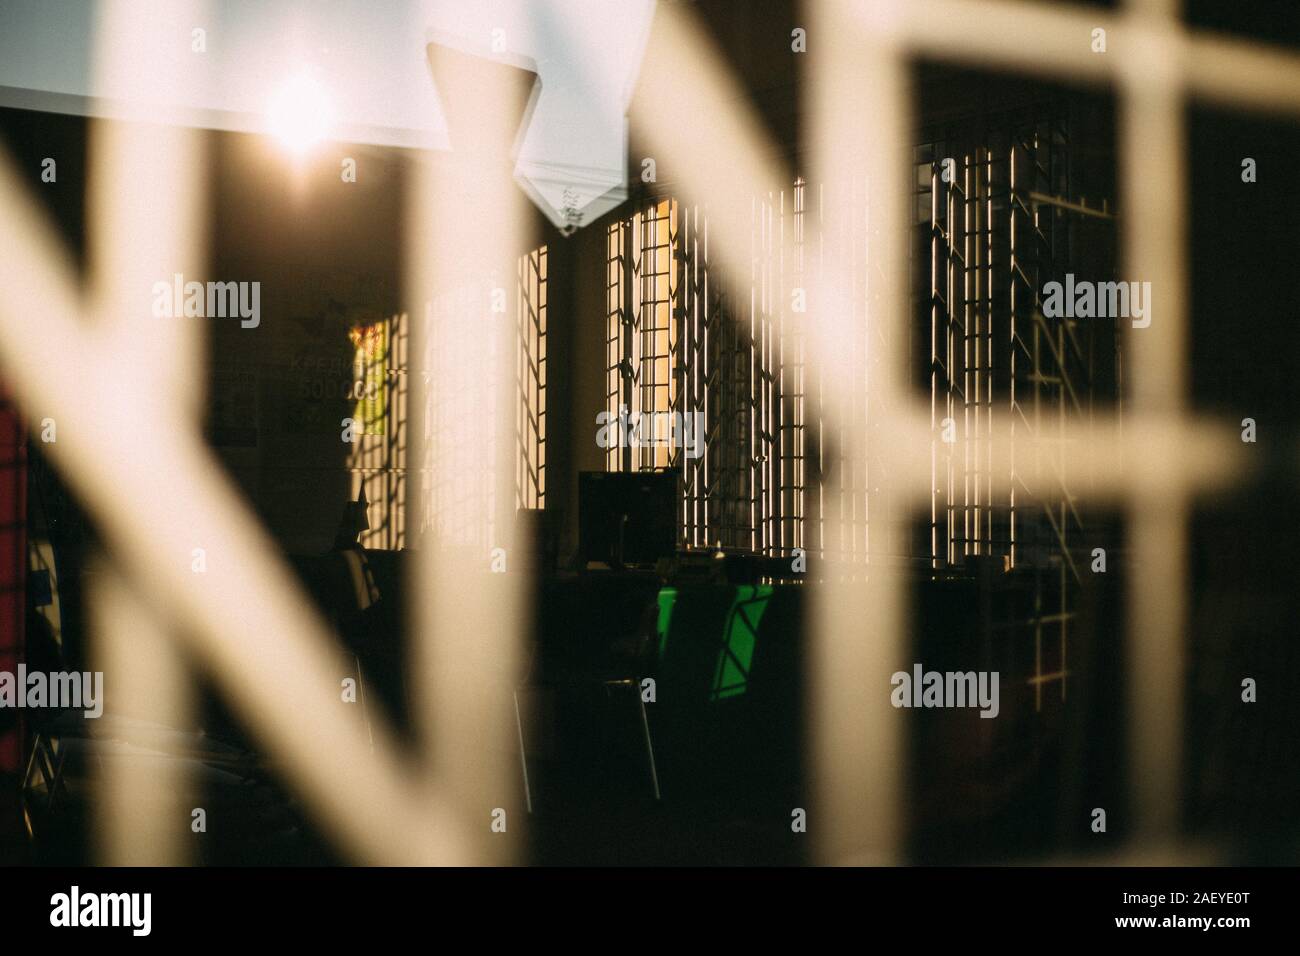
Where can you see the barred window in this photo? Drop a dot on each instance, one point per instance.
(445, 501)
(768, 478)
(642, 330)
(530, 378)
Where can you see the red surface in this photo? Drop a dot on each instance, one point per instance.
(13, 559)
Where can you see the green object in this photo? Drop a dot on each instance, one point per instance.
(738, 639)
(667, 598)
(737, 653)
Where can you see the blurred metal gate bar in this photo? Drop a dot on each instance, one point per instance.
(468, 614)
(857, 347)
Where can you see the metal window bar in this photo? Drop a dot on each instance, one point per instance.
(641, 334)
(791, 361)
(716, 357)
(657, 332)
(697, 305)
(617, 316)
(378, 460)
(530, 379)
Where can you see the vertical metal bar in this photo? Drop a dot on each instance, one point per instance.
(146, 232)
(629, 327)
(858, 627)
(467, 217)
(1154, 181)
(144, 781)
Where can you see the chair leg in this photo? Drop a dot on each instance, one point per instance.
(38, 763)
(649, 745)
(60, 758)
(523, 754)
(365, 704)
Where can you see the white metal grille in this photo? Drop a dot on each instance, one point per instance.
(156, 502)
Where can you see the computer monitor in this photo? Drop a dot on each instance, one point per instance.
(627, 518)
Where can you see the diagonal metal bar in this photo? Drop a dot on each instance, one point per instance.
(157, 493)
